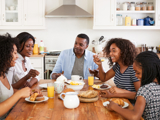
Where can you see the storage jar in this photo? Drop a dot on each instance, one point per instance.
(144, 6)
(125, 6)
(118, 6)
(119, 21)
(150, 5)
(132, 8)
(138, 7)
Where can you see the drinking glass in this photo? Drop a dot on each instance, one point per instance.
(90, 79)
(50, 90)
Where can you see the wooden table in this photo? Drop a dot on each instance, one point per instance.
(53, 109)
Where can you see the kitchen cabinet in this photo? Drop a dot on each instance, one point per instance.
(38, 64)
(105, 15)
(22, 14)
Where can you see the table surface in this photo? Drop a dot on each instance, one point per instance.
(53, 109)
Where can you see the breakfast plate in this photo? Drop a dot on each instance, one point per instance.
(98, 87)
(43, 85)
(28, 99)
(107, 102)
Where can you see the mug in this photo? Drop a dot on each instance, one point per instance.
(76, 78)
(58, 86)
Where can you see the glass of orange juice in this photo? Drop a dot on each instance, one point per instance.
(90, 79)
(50, 90)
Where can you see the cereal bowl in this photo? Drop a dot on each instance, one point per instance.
(75, 85)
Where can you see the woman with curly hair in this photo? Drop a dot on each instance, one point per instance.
(23, 72)
(147, 68)
(121, 52)
(8, 95)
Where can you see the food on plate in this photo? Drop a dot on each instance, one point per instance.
(88, 94)
(36, 97)
(33, 96)
(104, 86)
(75, 83)
(39, 97)
(96, 86)
(120, 102)
(67, 90)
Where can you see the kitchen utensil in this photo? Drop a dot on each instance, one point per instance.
(70, 100)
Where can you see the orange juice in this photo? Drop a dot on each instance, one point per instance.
(50, 90)
(90, 80)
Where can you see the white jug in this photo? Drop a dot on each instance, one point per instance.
(70, 100)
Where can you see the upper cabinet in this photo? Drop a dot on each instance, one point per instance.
(22, 14)
(130, 15)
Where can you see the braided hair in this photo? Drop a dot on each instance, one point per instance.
(150, 63)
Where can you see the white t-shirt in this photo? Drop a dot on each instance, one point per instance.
(17, 71)
(5, 93)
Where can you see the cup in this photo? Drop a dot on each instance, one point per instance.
(76, 78)
(50, 90)
(90, 79)
(12, 8)
(58, 86)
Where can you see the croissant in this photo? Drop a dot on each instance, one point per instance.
(88, 94)
(119, 102)
(68, 90)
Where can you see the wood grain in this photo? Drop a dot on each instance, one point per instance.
(53, 109)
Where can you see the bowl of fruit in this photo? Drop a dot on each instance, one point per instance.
(75, 85)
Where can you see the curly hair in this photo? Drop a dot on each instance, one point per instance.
(128, 50)
(6, 49)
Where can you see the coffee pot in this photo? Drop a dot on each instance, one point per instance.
(148, 21)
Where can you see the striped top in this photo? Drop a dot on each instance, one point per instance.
(125, 80)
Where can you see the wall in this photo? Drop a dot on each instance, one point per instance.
(60, 33)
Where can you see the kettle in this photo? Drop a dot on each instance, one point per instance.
(148, 21)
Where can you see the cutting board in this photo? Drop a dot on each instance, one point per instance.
(85, 99)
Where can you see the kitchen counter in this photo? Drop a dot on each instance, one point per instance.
(37, 55)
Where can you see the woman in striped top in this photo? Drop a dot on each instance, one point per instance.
(121, 54)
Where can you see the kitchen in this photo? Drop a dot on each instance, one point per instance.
(60, 33)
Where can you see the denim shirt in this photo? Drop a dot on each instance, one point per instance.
(66, 61)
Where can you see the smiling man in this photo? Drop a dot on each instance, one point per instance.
(75, 61)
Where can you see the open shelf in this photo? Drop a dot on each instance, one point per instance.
(121, 12)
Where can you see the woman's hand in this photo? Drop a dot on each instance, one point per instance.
(24, 92)
(97, 60)
(111, 105)
(36, 91)
(32, 73)
(95, 72)
(105, 94)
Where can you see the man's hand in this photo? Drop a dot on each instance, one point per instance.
(95, 72)
(105, 94)
(56, 75)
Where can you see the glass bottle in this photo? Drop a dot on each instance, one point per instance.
(132, 8)
(118, 6)
(138, 6)
(119, 20)
(150, 5)
(144, 6)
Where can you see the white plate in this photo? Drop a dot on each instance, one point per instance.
(43, 85)
(107, 102)
(28, 100)
(102, 88)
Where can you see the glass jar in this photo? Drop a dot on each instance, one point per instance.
(125, 6)
(132, 8)
(141, 5)
(138, 6)
(119, 21)
(144, 6)
(150, 5)
(128, 5)
(118, 6)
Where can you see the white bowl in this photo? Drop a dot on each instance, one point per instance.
(75, 87)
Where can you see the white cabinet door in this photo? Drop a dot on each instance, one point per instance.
(11, 12)
(158, 12)
(33, 12)
(104, 12)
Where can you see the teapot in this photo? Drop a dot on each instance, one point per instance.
(148, 21)
(70, 100)
(61, 78)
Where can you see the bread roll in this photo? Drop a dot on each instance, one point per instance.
(67, 90)
(88, 94)
(39, 98)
